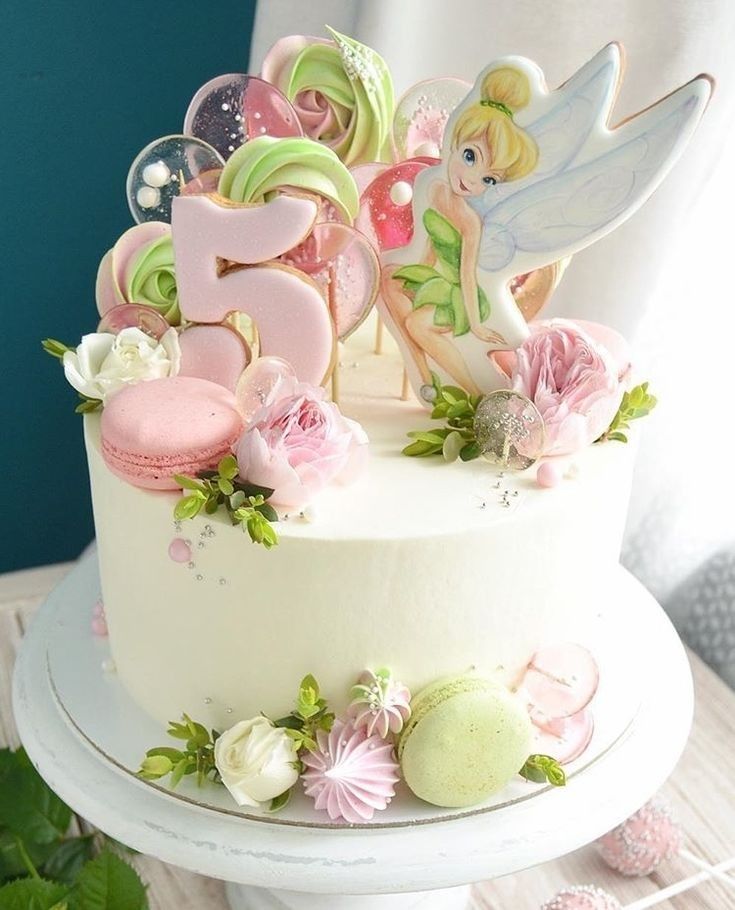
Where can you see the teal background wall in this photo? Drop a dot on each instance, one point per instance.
(84, 85)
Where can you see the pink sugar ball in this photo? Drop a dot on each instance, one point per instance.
(643, 841)
(98, 609)
(549, 474)
(99, 626)
(582, 897)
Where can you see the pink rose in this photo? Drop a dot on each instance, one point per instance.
(298, 443)
(575, 383)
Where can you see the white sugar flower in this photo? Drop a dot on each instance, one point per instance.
(104, 363)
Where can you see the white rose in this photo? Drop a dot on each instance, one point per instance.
(103, 363)
(256, 761)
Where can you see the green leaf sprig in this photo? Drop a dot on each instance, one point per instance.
(41, 868)
(57, 349)
(195, 757)
(311, 713)
(635, 404)
(457, 438)
(244, 502)
(543, 769)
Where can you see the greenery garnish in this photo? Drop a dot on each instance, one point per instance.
(57, 349)
(311, 713)
(196, 757)
(457, 438)
(244, 502)
(43, 869)
(543, 769)
(635, 404)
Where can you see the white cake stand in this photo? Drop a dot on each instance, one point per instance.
(301, 867)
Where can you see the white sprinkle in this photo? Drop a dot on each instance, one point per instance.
(148, 197)
(156, 173)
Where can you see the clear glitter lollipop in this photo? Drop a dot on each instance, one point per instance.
(135, 315)
(228, 110)
(509, 430)
(421, 116)
(161, 169)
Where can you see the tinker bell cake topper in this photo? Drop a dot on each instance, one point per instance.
(528, 177)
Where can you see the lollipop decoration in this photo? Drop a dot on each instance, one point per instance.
(229, 110)
(422, 114)
(160, 171)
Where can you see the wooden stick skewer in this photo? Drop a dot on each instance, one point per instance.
(404, 386)
(379, 335)
(665, 893)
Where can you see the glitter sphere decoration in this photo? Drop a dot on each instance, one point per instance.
(645, 840)
(133, 315)
(228, 110)
(509, 430)
(350, 774)
(582, 897)
(379, 703)
(162, 169)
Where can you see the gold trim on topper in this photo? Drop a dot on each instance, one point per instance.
(290, 823)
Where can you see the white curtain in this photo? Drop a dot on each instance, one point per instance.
(663, 278)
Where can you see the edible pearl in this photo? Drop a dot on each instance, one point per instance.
(148, 197)
(156, 174)
(549, 474)
(427, 150)
(401, 193)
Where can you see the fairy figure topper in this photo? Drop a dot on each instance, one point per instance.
(527, 177)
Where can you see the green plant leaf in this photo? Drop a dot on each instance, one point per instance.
(28, 806)
(278, 802)
(189, 506)
(12, 863)
(453, 445)
(68, 858)
(542, 769)
(87, 406)
(55, 348)
(227, 467)
(109, 883)
(33, 894)
(226, 486)
(189, 483)
(470, 451)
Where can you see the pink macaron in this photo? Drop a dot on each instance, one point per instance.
(153, 430)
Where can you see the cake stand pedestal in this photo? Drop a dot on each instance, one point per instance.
(291, 865)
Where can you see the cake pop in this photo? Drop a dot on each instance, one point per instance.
(642, 842)
(582, 897)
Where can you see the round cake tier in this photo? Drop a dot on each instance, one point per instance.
(420, 567)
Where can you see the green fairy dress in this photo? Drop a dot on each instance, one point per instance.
(439, 286)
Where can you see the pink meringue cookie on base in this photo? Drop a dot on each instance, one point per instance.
(156, 429)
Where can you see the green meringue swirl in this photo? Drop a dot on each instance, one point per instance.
(356, 83)
(262, 166)
(151, 279)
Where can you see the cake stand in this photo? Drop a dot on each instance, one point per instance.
(424, 863)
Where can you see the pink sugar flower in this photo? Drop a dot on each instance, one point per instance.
(350, 775)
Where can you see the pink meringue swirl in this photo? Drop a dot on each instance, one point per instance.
(379, 703)
(350, 775)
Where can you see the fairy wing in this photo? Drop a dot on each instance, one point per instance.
(566, 211)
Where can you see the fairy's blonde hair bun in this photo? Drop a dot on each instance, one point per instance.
(507, 86)
(503, 91)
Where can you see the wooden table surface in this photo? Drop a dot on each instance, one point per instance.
(701, 792)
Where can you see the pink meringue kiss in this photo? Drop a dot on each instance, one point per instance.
(645, 840)
(350, 775)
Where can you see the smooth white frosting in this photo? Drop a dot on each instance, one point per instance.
(418, 567)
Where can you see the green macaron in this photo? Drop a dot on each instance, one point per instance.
(466, 738)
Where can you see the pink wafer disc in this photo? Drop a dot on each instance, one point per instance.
(258, 381)
(133, 315)
(563, 738)
(561, 679)
(344, 265)
(582, 897)
(386, 216)
(645, 840)
(214, 352)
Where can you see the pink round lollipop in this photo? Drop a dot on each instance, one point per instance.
(344, 265)
(582, 897)
(561, 679)
(563, 738)
(258, 381)
(645, 840)
(228, 110)
(386, 217)
(364, 174)
(206, 182)
(422, 113)
(214, 352)
(133, 315)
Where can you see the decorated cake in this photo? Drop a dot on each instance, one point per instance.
(337, 559)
